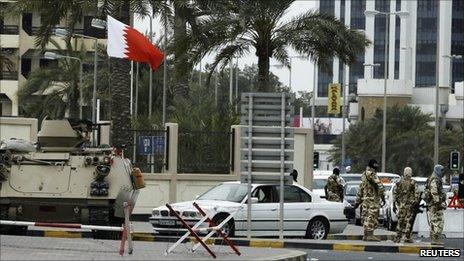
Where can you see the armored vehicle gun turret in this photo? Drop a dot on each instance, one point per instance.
(64, 178)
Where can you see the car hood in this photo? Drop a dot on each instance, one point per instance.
(209, 206)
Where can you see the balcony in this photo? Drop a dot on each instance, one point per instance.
(9, 75)
(9, 29)
(9, 36)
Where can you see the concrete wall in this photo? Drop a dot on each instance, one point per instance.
(20, 128)
(170, 187)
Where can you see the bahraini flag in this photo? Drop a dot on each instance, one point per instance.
(128, 43)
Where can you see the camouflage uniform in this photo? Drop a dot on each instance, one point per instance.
(436, 205)
(406, 195)
(370, 193)
(334, 187)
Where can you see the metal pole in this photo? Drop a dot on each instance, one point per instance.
(81, 91)
(150, 91)
(231, 81)
(131, 88)
(437, 88)
(313, 106)
(236, 82)
(150, 96)
(290, 74)
(282, 167)
(199, 76)
(94, 92)
(136, 109)
(216, 88)
(384, 124)
(250, 156)
(165, 68)
(345, 87)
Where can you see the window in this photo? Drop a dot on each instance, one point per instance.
(265, 194)
(293, 194)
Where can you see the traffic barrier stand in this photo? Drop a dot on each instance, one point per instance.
(125, 229)
(212, 228)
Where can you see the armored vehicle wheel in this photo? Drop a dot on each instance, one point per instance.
(103, 216)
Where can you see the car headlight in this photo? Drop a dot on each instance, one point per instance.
(156, 213)
(191, 214)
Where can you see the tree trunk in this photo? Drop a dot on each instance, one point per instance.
(120, 95)
(263, 71)
(181, 62)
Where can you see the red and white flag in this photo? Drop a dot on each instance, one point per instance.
(126, 42)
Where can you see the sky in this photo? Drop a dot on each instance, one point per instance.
(302, 69)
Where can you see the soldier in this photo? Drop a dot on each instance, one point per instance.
(334, 188)
(436, 203)
(406, 195)
(370, 192)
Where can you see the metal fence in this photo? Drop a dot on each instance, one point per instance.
(204, 152)
(149, 149)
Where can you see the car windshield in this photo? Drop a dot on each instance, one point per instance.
(351, 189)
(226, 192)
(351, 178)
(319, 183)
(420, 185)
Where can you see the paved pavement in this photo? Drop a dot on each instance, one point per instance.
(315, 255)
(42, 248)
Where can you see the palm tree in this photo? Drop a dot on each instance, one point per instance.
(56, 10)
(53, 90)
(240, 26)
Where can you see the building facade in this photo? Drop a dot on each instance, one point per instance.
(20, 56)
(411, 60)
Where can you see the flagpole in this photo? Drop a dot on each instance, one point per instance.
(131, 104)
(136, 103)
(165, 68)
(150, 95)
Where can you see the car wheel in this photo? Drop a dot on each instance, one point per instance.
(228, 228)
(318, 228)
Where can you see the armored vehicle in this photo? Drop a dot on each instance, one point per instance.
(65, 179)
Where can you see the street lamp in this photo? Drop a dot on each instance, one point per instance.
(60, 32)
(55, 56)
(384, 125)
(97, 23)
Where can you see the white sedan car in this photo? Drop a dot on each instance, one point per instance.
(305, 214)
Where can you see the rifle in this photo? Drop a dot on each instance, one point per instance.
(416, 208)
(340, 192)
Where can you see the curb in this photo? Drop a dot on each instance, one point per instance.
(261, 243)
(358, 237)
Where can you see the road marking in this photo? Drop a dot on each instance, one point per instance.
(266, 243)
(347, 247)
(409, 249)
(65, 234)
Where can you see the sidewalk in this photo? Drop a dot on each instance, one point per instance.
(34, 248)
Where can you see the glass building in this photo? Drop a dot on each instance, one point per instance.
(418, 51)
